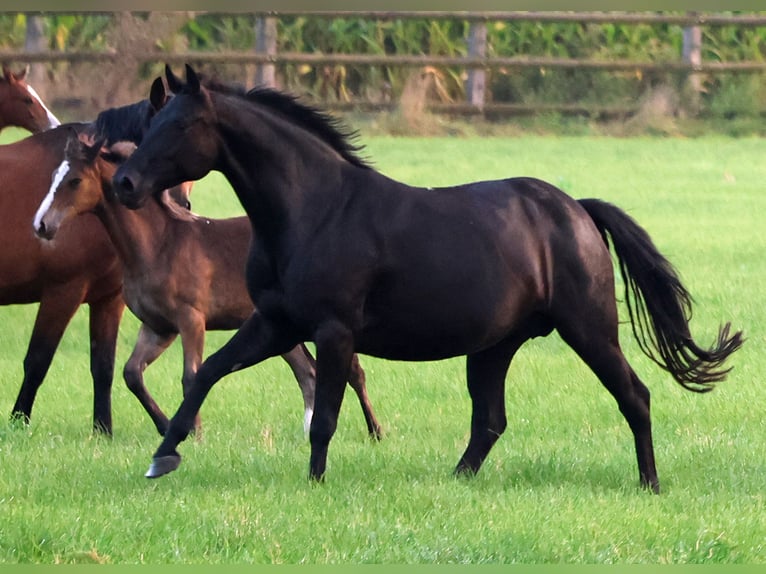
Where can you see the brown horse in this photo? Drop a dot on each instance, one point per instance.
(21, 106)
(183, 274)
(81, 266)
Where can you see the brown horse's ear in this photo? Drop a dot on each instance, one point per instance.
(192, 81)
(7, 74)
(90, 153)
(73, 143)
(23, 74)
(174, 82)
(157, 94)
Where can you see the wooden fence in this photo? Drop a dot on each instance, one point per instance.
(476, 63)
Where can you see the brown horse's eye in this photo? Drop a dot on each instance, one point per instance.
(75, 182)
(28, 101)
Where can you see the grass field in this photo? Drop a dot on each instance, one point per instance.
(561, 485)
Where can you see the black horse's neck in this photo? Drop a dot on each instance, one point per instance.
(276, 166)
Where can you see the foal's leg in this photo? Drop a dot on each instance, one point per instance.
(257, 339)
(53, 315)
(486, 372)
(149, 346)
(304, 368)
(192, 328)
(594, 339)
(357, 380)
(105, 316)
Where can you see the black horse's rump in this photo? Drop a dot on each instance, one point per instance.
(357, 262)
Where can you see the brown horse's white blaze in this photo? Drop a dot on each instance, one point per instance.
(53, 121)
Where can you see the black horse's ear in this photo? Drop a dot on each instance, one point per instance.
(192, 81)
(157, 94)
(174, 82)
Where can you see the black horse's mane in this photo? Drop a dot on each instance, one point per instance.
(124, 123)
(328, 128)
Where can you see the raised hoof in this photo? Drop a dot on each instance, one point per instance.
(163, 465)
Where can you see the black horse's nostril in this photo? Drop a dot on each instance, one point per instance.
(126, 183)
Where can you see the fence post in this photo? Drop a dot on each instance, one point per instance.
(475, 85)
(692, 54)
(266, 43)
(35, 41)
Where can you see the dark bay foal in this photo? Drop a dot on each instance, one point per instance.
(183, 274)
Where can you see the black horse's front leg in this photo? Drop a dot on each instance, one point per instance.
(334, 351)
(257, 339)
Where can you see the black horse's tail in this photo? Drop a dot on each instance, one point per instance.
(659, 305)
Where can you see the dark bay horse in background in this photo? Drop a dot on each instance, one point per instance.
(182, 274)
(21, 106)
(81, 266)
(356, 262)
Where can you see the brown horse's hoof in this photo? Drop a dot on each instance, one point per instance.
(163, 465)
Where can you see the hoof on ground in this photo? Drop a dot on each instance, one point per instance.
(162, 465)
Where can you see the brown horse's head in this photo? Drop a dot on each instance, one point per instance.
(21, 106)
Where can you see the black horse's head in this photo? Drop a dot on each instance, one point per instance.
(179, 145)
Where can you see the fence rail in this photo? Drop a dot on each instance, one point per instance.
(477, 62)
(383, 60)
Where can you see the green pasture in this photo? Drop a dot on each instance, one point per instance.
(560, 486)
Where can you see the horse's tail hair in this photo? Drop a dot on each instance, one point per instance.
(659, 305)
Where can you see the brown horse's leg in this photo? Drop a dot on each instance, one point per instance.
(53, 315)
(149, 345)
(597, 345)
(357, 380)
(486, 372)
(105, 316)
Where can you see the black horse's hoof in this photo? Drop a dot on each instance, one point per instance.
(162, 465)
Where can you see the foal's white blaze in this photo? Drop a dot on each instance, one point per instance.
(58, 176)
(53, 121)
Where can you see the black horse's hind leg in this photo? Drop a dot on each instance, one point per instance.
(50, 323)
(257, 339)
(486, 373)
(335, 349)
(602, 353)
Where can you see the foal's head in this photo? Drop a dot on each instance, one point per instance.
(76, 185)
(21, 106)
(83, 181)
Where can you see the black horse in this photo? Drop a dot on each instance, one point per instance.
(357, 262)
